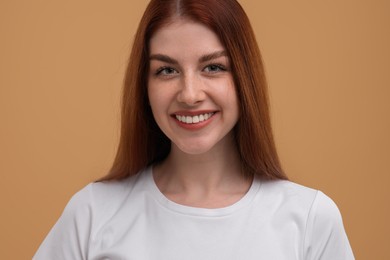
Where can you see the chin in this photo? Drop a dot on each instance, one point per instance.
(196, 149)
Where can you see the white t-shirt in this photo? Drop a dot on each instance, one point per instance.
(132, 219)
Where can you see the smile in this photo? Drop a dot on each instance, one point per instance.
(194, 119)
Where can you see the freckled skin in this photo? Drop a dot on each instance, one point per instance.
(182, 80)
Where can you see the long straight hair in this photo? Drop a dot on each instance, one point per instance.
(142, 143)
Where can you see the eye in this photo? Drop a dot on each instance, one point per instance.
(214, 68)
(166, 71)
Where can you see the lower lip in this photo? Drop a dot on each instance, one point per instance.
(196, 126)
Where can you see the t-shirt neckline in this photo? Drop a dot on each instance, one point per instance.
(196, 211)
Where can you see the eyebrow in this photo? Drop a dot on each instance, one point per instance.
(164, 58)
(202, 59)
(212, 56)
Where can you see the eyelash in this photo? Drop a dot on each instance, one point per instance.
(162, 69)
(219, 67)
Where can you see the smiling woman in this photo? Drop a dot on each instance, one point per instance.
(196, 175)
(190, 87)
(146, 144)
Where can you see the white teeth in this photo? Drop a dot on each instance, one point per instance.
(194, 119)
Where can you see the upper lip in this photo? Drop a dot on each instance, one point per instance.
(193, 112)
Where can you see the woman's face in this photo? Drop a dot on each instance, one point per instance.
(190, 87)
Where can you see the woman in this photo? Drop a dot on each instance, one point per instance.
(196, 174)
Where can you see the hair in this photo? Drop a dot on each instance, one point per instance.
(142, 143)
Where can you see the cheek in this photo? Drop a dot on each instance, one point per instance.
(153, 95)
(229, 95)
(161, 94)
(233, 102)
(159, 102)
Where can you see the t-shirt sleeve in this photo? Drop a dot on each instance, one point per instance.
(69, 237)
(325, 236)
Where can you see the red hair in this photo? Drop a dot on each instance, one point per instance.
(142, 143)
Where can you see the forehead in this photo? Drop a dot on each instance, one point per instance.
(183, 37)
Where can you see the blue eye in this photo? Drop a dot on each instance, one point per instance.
(166, 71)
(214, 68)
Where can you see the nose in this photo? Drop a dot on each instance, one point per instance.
(191, 90)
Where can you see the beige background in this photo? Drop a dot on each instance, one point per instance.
(61, 69)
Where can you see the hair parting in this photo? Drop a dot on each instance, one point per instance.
(142, 143)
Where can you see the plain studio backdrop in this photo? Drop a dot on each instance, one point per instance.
(61, 70)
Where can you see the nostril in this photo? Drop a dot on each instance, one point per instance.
(191, 97)
(191, 90)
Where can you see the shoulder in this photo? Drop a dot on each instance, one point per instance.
(98, 201)
(315, 214)
(108, 194)
(287, 188)
(325, 236)
(288, 196)
(310, 203)
(324, 210)
(70, 237)
(98, 198)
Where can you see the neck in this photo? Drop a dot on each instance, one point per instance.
(202, 175)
